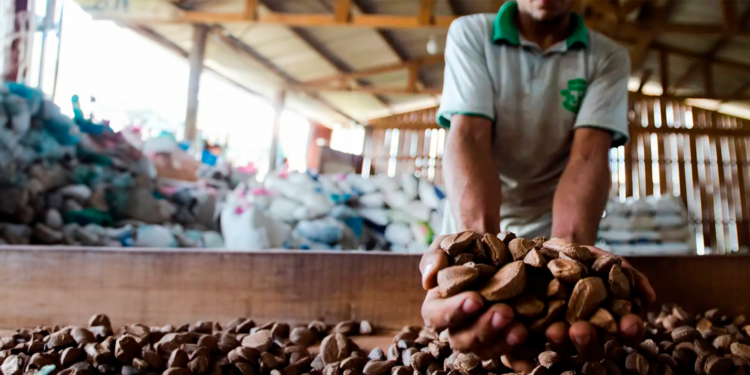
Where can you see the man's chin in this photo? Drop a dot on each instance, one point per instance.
(551, 17)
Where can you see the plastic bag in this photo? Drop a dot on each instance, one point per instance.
(246, 227)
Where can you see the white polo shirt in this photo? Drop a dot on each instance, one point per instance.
(535, 99)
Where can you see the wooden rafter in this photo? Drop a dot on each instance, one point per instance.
(389, 38)
(409, 64)
(731, 64)
(711, 53)
(729, 9)
(661, 14)
(246, 50)
(171, 46)
(342, 10)
(393, 21)
(455, 8)
(370, 90)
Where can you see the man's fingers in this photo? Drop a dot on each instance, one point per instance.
(584, 338)
(431, 263)
(485, 331)
(518, 365)
(644, 287)
(557, 334)
(631, 328)
(441, 313)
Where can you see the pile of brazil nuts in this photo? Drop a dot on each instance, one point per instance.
(676, 342)
(543, 280)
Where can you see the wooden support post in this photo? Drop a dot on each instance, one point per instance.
(729, 8)
(342, 10)
(278, 107)
(413, 78)
(49, 20)
(664, 70)
(708, 78)
(425, 11)
(195, 60)
(251, 9)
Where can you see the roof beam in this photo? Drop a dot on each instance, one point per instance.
(729, 9)
(711, 53)
(342, 11)
(389, 39)
(738, 66)
(391, 21)
(454, 7)
(169, 45)
(644, 41)
(246, 50)
(429, 60)
(371, 90)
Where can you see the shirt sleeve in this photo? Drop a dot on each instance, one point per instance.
(467, 86)
(605, 104)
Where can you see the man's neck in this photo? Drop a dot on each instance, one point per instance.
(544, 33)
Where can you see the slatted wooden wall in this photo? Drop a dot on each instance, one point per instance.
(699, 155)
(407, 143)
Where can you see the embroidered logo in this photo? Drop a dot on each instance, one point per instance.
(573, 95)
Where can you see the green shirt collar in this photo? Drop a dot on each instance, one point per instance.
(505, 28)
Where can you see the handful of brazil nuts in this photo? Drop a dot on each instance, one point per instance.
(543, 280)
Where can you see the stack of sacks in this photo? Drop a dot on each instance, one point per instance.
(340, 212)
(647, 226)
(72, 182)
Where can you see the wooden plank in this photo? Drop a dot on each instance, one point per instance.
(342, 10)
(195, 60)
(681, 167)
(156, 287)
(721, 196)
(742, 175)
(251, 9)
(411, 85)
(664, 185)
(729, 10)
(428, 60)
(645, 39)
(629, 165)
(371, 90)
(708, 79)
(664, 70)
(426, 9)
(698, 201)
(648, 164)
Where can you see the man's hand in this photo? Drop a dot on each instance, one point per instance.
(583, 334)
(490, 331)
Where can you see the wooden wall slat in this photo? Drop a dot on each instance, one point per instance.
(664, 165)
(648, 164)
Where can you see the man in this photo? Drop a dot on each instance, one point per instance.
(534, 101)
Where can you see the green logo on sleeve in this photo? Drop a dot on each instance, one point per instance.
(573, 95)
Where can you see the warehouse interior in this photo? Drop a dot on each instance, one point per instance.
(167, 162)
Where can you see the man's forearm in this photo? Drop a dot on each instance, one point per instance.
(472, 179)
(581, 197)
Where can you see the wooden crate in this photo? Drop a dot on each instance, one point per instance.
(46, 285)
